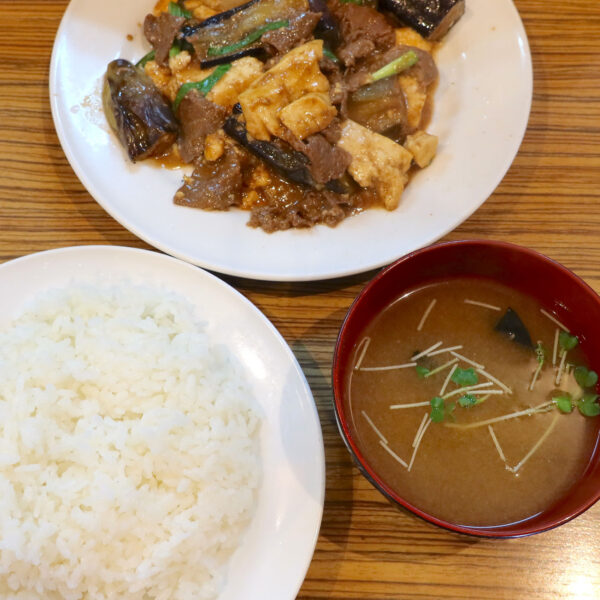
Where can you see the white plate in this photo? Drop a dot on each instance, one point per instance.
(277, 549)
(481, 110)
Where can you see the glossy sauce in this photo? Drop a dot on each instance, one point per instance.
(458, 474)
(170, 160)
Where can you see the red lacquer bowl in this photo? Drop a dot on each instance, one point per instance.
(556, 288)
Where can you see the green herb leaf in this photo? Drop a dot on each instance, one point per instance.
(249, 39)
(422, 371)
(437, 402)
(174, 51)
(584, 377)
(467, 400)
(145, 59)
(588, 406)
(465, 376)
(564, 403)
(203, 86)
(567, 341)
(179, 11)
(438, 409)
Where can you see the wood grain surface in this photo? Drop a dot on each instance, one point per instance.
(549, 200)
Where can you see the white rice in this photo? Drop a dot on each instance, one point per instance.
(129, 462)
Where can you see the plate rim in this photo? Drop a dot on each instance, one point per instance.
(281, 274)
(151, 256)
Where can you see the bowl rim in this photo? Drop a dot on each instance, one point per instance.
(494, 532)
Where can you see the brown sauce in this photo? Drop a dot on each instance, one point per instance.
(427, 113)
(281, 204)
(458, 474)
(170, 160)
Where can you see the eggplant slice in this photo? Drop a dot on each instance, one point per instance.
(328, 28)
(213, 36)
(431, 18)
(137, 112)
(380, 106)
(291, 163)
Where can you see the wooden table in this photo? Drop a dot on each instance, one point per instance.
(549, 200)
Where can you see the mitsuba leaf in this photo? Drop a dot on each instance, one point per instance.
(567, 341)
(540, 353)
(564, 403)
(450, 410)
(421, 371)
(467, 400)
(588, 406)
(438, 409)
(585, 378)
(464, 377)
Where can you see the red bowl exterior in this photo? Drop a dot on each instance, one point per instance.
(556, 288)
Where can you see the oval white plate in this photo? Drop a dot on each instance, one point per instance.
(481, 110)
(276, 550)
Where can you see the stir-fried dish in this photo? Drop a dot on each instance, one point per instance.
(299, 111)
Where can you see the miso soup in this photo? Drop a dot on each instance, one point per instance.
(473, 403)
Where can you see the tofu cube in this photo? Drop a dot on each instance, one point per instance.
(295, 75)
(406, 36)
(423, 146)
(243, 73)
(307, 115)
(377, 162)
(416, 96)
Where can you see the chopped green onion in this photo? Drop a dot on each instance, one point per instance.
(464, 377)
(203, 86)
(179, 11)
(567, 341)
(585, 378)
(145, 59)
(330, 55)
(422, 371)
(588, 406)
(174, 51)
(563, 403)
(407, 60)
(249, 39)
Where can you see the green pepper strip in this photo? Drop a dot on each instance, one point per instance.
(178, 11)
(407, 60)
(145, 59)
(203, 86)
(249, 39)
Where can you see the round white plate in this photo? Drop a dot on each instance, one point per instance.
(276, 550)
(481, 110)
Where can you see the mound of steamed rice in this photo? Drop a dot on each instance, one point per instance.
(128, 453)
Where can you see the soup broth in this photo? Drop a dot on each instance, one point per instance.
(482, 464)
